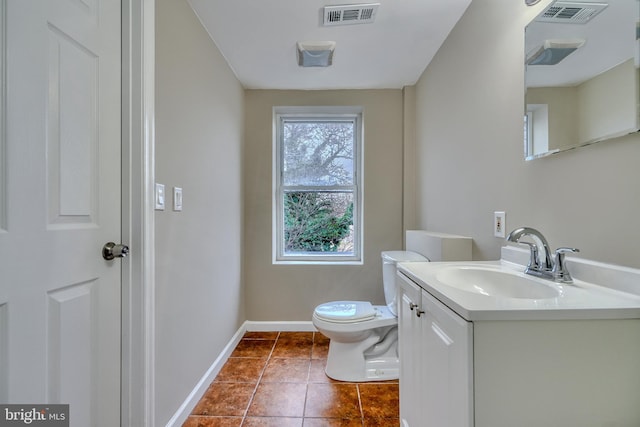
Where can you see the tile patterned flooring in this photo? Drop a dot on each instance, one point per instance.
(277, 379)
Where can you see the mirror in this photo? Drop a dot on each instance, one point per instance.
(581, 75)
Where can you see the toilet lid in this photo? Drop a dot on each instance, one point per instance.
(346, 311)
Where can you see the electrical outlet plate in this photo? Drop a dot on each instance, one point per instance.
(499, 224)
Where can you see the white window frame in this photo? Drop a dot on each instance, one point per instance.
(316, 113)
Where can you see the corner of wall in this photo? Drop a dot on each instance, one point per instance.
(409, 220)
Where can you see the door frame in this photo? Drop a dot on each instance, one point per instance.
(138, 228)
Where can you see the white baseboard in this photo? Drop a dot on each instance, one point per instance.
(196, 394)
(301, 326)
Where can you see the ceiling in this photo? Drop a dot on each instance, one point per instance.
(258, 39)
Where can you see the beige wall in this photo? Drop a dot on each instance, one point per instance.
(609, 103)
(409, 159)
(290, 292)
(470, 151)
(199, 133)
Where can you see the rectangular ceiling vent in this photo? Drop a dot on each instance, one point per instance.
(571, 12)
(350, 14)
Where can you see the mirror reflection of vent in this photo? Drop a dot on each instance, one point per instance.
(350, 14)
(571, 12)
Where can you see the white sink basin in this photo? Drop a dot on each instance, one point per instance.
(499, 290)
(496, 282)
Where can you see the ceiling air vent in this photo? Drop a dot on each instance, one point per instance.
(571, 12)
(350, 14)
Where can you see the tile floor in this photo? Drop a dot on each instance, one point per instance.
(277, 379)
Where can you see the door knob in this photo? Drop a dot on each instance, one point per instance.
(111, 250)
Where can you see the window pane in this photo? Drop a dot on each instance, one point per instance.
(318, 153)
(318, 222)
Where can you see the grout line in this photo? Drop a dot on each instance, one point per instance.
(360, 402)
(255, 389)
(306, 389)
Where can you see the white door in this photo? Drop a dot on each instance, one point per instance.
(59, 204)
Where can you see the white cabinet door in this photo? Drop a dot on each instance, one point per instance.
(409, 349)
(447, 378)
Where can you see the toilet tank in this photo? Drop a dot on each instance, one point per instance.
(422, 245)
(439, 246)
(389, 261)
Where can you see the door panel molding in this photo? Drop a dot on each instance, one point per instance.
(72, 137)
(72, 329)
(88, 6)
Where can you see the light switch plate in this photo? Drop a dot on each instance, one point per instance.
(177, 198)
(160, 197)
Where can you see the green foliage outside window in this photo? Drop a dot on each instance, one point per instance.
(315, 222)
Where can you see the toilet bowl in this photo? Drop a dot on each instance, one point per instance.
(363, 337)
(360, 350)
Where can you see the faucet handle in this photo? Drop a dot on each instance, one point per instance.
(561, 251)
(564, 250)
(560, 272)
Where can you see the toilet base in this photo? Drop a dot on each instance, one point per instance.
(383, 369)
(350, 362)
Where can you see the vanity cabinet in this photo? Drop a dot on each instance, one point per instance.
(505, 373)
(435, 362)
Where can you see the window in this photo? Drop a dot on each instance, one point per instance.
(536, 131)
(317, 185)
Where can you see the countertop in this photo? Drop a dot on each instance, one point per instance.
(579, 300)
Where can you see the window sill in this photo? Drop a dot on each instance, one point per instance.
(317, 262)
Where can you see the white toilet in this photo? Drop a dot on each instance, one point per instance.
(364, 337)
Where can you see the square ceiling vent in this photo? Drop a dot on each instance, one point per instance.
(350, 14)
(571, 12)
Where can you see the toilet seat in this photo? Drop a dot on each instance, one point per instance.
(345, 311)
(382, 318)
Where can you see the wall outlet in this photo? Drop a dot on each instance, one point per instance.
(499, 224)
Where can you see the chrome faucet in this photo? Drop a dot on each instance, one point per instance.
(540, 264)
(536, 262)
